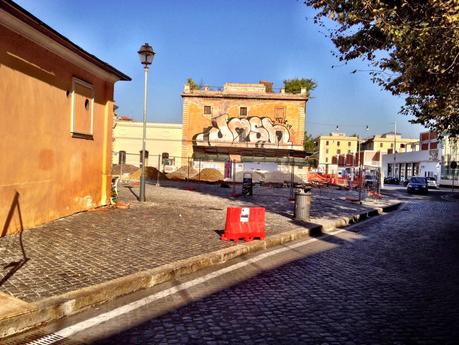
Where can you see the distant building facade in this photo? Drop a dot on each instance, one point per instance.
(243, 119)
(385, 143)
(336, 149)
(449, 152)
(56, 105)
(161, 138)
(422, 158)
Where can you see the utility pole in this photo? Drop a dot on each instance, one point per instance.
(360, 167)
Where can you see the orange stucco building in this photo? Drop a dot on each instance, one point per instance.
(56, 110)
(243, 119)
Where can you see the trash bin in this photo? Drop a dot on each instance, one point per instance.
(247, 184)
(302, 204)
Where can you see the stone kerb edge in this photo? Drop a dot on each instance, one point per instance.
(73, 302)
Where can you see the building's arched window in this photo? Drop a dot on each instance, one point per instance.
(122, 157)
(146, 155)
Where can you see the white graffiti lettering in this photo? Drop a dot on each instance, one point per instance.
(254, 130)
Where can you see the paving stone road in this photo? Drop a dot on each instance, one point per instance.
(93, 247)
(397, 284)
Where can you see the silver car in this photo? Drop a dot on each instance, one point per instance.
(432, 182)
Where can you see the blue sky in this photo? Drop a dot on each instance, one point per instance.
(220, 41)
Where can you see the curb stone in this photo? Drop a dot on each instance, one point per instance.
(73, 302)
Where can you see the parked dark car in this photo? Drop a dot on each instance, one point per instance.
(391, 180)
(417, 184)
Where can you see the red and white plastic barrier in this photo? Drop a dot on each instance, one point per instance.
(244, 223)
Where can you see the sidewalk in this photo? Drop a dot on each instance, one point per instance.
(176, 231)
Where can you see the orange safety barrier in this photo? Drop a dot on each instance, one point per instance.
(333, 179)
(244, 223)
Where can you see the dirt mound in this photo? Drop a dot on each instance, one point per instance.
(182, 173)
(127, 169)
(151, 173)
(257, 177)
(209, 175)
(281, 177)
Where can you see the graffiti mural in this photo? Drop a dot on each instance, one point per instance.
(253, 130)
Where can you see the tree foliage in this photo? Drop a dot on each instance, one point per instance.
(413, 47)
(309, 143)
(295, 85)
(194, 85)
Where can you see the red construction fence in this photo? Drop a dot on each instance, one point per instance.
(334, 179)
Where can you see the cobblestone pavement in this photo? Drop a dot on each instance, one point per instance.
(397, 284)
(93, 247)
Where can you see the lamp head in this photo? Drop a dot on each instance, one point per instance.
(146, 54)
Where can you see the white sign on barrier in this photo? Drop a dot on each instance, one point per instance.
(245, 211)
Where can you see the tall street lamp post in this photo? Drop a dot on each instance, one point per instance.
(146, 55)
(360, 159)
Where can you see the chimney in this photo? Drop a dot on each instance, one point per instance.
(268, 85)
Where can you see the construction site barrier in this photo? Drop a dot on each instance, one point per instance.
(333, 179)
(244, 223)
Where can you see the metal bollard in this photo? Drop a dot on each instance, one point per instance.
(302, 204)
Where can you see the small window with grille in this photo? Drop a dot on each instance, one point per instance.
(122, 157)
(279, 112)
(207, 110)
(243, 111)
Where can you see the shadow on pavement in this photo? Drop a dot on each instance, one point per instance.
(14, 266)
(188, 301)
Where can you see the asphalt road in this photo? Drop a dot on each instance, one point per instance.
(393, 279)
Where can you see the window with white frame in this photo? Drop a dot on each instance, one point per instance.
(82, 109)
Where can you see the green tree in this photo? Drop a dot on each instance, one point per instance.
(309, 143)
(412, 46)
(194, 85)
(295, 85)
(310, 146)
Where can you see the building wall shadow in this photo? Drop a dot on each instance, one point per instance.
(14, 266)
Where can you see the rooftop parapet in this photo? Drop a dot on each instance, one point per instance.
(259, 90)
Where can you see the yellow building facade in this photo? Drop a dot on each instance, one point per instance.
(333, 145)
(385, 143)
(160, 138)
(56, 107)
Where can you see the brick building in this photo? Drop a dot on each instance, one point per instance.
(243, 119)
